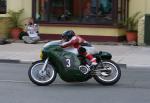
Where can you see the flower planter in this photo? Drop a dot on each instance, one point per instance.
(131, 36)
(15, 32)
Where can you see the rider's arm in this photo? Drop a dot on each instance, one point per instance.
(66, 44)
(69, 43)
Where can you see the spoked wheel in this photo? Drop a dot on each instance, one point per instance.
(40, 77)
(109, 74)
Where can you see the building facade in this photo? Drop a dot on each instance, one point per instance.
(95, 20)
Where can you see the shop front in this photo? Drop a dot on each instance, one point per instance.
(95, 20)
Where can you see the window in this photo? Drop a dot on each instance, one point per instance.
(2, 6)
(106, 12)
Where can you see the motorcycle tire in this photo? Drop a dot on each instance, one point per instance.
(104, 79)
(41, 79)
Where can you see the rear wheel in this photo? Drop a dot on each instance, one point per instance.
(39, 77)
(109, 74)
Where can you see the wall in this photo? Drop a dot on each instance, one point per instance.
(27, 5)
(3, 27)
(16, 5)
(142, 5)
(82, 30)
(89, 33)
(147, 5)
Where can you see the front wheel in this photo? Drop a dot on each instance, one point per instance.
(108, 74)
(40, 77)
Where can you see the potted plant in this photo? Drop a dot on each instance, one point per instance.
(15, 23)
(131, 24)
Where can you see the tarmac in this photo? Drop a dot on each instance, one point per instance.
(129, 55)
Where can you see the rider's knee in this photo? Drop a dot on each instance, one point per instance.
(81, 50)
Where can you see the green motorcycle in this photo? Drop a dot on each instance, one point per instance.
(71, 67)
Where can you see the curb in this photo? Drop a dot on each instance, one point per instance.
(14, 61)
(9, 61)
(138, 66)
(123, 66)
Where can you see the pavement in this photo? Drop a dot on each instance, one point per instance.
(129, 55)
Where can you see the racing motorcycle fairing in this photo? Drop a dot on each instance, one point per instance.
(66, 64)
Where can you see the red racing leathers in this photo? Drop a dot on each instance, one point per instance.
(75, 42)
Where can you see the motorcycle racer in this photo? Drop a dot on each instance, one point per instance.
(72, 40)
(72, 66)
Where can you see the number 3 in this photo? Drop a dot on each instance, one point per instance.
(68, 63)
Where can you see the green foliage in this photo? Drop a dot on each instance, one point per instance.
(15, 18)
(131, 22)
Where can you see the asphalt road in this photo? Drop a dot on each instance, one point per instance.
(15, 87)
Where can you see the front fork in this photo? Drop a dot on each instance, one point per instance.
(45, 64)
(42, 71)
